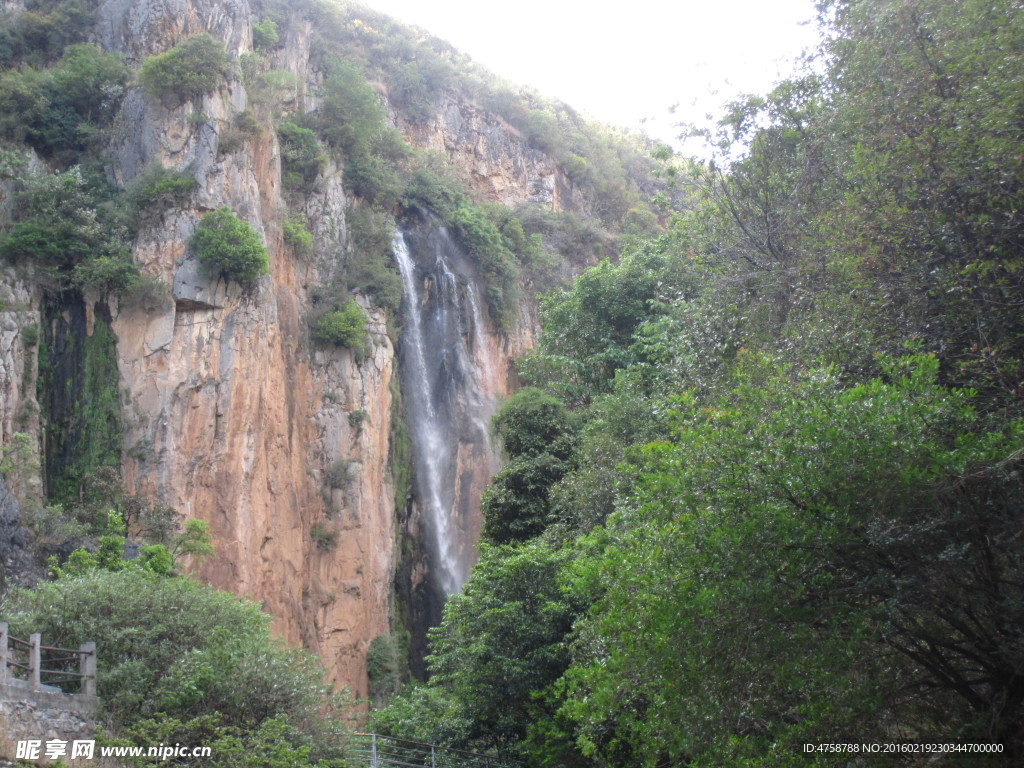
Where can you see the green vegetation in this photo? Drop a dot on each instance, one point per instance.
(338, 474)
(66, 109)
(384, 667)
(245, 128)
(295, 229)
(79, 393)
(765, 488)
(370, 268)
(351, 120)
(64, 231)
(357, 418)
(264, 35)
(194, 66)
(326, 538)
(345, 326)
(44, 30)
(158, 189)
(228, 247)
(67, 232)
(538, 436)
(199, 661)
(302, 159)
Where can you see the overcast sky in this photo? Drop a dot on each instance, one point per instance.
(629, 61)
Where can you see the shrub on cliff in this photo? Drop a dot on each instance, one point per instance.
(191, 68)
(264, 35)
(296, 232)
(66, 230)
(302, 159)
(226, 246)
(157, 189)
(345, 326)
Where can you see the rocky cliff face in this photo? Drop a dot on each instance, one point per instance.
(496, 158)
(237, 419)
(231, 415)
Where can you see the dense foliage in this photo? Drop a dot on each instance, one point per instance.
(68, 232)
(201, 662)
(228, 247)
(765, 488)
(192, 67)
(345, 326)
(67, 108)
(788, 508)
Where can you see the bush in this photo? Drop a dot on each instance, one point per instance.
(248, 124)
(370, 270)
(90, 82)
(339, 474)
(30, 335)
(326, 538)
(302, 159)
(345, 326)
(22, 103)
(64, 229)
(172, 646)
(264, 35)
(191, 68)
(356, 419)
(435, 186)
(159, 188)
(295, 228)
(351, 115)
(497, 264)
(107, 273)
(226, 246)
(147, 293)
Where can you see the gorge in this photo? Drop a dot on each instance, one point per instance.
(283, 280)
(214, 402)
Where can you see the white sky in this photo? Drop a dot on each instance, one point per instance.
(621, 63)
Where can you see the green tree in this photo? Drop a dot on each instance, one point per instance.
(264, 35)
(228, 247)
(194, 66)
(515, 505)
(301, 156)
(805, 560)
(345, 326)
(531, 422)
(171, 646)
(500, 641)
(63, 228)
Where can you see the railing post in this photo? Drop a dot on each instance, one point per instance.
(433, 760)
(87, 667)
(373, 750)
(3, 652)
(35, 661)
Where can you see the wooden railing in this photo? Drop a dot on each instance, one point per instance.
(44, 664)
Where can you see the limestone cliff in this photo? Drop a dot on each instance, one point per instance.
(238, 419)
(496, 158)
(231, 414)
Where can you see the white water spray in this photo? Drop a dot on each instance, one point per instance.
(447, 406)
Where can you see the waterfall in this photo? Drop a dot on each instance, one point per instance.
(446, 371)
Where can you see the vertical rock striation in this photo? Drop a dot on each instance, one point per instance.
(231, 415)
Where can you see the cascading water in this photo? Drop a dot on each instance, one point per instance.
(446, 368)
